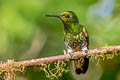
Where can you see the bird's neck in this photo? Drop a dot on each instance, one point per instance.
(73, 28)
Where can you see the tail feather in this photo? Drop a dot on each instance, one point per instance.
(81, 65)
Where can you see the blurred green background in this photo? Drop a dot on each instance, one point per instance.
(25, 33)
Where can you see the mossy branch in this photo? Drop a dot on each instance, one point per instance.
(10, 67)
(66, 57)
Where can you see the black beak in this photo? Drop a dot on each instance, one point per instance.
(58, 16)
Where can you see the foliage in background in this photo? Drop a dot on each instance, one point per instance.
(25, 33)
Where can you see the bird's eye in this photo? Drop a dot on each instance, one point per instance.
(67, 16)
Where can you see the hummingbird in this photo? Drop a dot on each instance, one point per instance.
(75, 38)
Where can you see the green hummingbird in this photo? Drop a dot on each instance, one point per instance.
(75, 38)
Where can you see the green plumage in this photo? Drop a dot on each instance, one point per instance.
(75, 38)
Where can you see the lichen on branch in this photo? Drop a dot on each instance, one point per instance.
(9, 68)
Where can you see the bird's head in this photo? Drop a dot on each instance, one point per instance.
(68, 18)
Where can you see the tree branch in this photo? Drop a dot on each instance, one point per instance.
(9, 66)
(66, 57)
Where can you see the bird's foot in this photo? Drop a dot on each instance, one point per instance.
(70, 54)
(84, 52)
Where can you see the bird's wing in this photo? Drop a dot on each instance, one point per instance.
(86, 36)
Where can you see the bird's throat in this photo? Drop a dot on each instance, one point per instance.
(71, 28)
